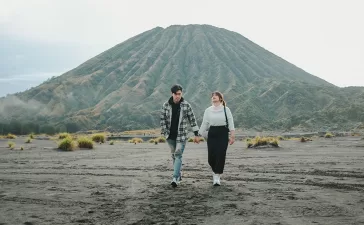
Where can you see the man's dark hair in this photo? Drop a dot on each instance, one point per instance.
(176, 88)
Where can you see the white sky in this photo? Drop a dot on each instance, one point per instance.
(322, 37)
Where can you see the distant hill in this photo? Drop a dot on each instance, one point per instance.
(123, 88)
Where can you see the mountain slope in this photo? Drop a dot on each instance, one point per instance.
(124, 87)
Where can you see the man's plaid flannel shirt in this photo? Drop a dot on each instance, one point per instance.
(186, 115)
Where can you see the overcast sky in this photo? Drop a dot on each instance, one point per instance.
(322, 37)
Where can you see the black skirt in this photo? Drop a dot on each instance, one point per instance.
(217, 144)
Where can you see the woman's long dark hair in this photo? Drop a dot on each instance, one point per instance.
(220, 95)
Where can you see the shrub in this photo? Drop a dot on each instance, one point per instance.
(31, 136)
(67, 144)
(274, 142)
(157, 140)
(259, 141)
(21, 148)
(263, 141)
(111, 142)
(249, 143)
(11, 144)
(99, 138)
(280, 138)
(10, 136)
(355, 134)
(29, 140)
(64, 135)
(136, 140)
(190, 139)
(328, 135)
(161, 140)
(304, 139)
(85, 142)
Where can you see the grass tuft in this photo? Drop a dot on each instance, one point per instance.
(67, 144)
(100, 137)
(263, 141)
(85, 142)
(10, 136)
(136, 140)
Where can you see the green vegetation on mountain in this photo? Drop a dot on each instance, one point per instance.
(124, 87)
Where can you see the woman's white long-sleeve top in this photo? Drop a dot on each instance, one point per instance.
(215, 116)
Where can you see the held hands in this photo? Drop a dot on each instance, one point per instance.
(231, 140)
(196, 140)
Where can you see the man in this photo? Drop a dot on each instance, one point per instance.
(175, 115)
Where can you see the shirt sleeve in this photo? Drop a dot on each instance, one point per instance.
(163, 120)
(205, 124)
(192, 118)
(230, 119)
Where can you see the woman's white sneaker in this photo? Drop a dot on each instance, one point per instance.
(217, 180)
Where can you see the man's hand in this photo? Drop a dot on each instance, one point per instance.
(232, 140)
(196, 140)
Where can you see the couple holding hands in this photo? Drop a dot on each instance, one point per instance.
(217, 126)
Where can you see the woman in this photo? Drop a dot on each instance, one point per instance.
(216, 125)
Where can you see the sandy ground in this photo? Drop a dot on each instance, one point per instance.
(318, 182)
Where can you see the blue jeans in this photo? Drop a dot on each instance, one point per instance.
(176, 152)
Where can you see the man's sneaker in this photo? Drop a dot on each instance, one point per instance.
(174, 182)
(180, 176)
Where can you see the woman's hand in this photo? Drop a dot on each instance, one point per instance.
(232, 140)
(232, 137)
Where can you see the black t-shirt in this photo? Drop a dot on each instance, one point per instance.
(176, 109)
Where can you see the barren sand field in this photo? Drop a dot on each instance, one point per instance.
(318, 182)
